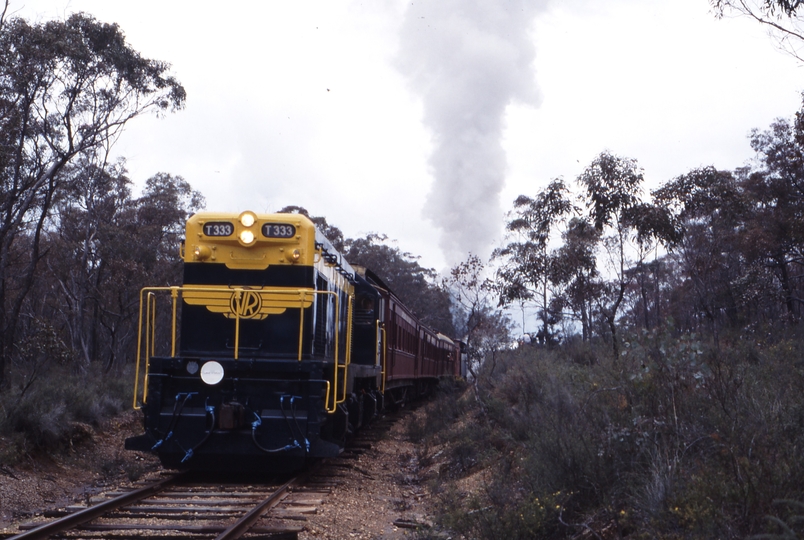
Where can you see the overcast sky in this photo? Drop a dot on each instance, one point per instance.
(424, 120)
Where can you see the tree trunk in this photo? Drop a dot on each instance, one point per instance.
(614, 341)
(781, 261)
(644, 294)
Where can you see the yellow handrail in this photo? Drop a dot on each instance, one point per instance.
(383, 347)
(348, 347)
(301, 323)
(174, 296)
(152, 323)
(238, 299)
(335, 364)
(147, 349)
(150, 312)
(139, 355)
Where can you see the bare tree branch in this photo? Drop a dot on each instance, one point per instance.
(3, 14)
(780, 17)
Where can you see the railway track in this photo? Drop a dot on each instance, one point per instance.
(186, 506)
(183, 507)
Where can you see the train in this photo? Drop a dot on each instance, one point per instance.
(274, 349)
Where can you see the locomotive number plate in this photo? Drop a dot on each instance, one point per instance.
(218, 228)
(278, 230)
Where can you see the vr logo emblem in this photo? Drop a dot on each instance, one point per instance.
(248, 305)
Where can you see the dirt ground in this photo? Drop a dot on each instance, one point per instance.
(381, 495)
(95, 462)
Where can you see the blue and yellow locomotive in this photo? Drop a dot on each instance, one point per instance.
(273, 349)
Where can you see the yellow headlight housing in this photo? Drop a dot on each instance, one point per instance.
(201, 253)
(293, 255)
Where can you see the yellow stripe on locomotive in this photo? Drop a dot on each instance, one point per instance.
(250, 302)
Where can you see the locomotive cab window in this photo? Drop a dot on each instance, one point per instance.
(364, 310)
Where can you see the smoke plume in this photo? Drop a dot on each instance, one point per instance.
(468, 59)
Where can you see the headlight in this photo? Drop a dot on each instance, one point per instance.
(212, 373)
(293, 255)
(247, 237)
(247, 219)
(201, 253)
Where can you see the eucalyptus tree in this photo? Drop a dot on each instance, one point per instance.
(711, 208)
(67, 89)
(77, 249)
(529, 262)
(104, 247)
(484, 327)
(576, 270)
(629, 227)
(612, 188)
(774, 231)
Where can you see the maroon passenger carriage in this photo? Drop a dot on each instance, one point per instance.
(416, 357)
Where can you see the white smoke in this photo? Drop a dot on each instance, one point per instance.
(468, 59)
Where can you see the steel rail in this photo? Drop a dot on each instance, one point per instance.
(242, 525)
(82, 516)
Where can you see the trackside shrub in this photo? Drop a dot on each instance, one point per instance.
(59, 410)
(677, 438)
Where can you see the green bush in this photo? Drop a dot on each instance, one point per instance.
(678, 438)
(57, 410)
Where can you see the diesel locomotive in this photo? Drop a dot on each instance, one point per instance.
(274, 349)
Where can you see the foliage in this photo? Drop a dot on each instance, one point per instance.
(782, 18)
(415, 285)
(67, 89)
(530, 267)
(790, 528)
(739, 262)
(57, 412)
(630, 228)
(679, 439)
(710, 250)
(604, 251)
(484, 329)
